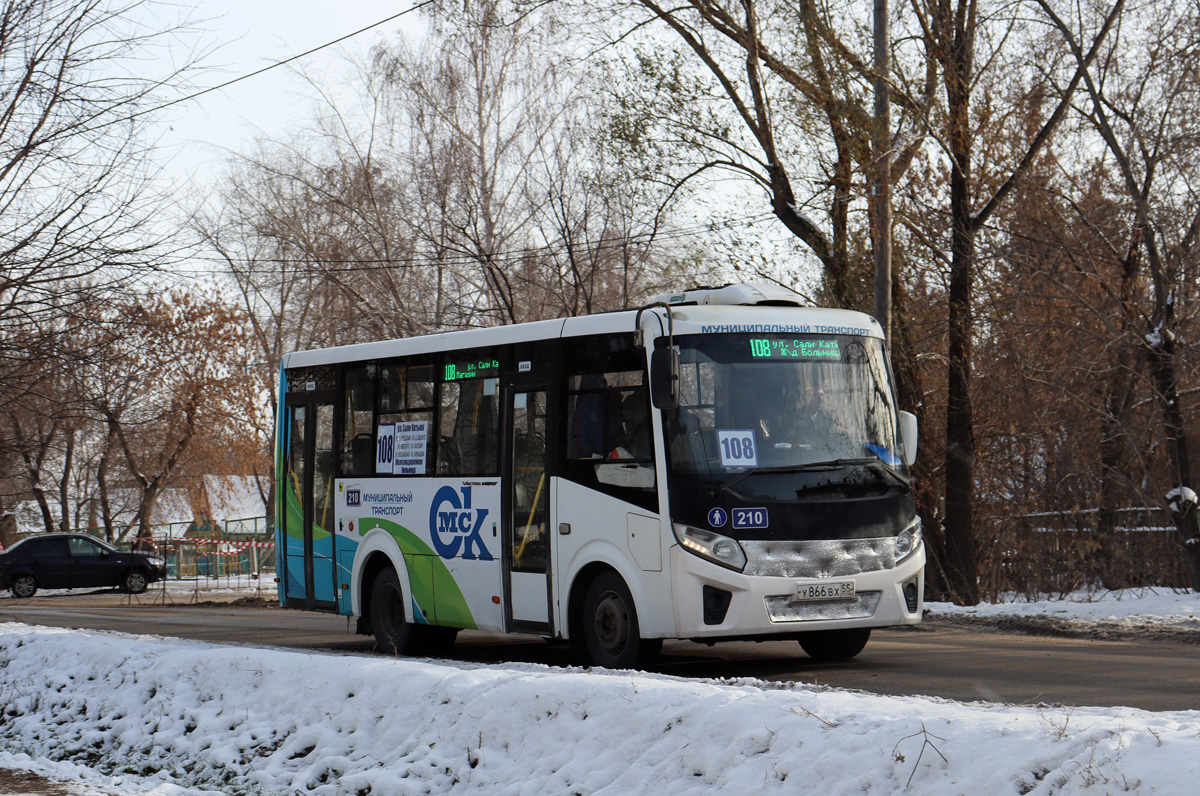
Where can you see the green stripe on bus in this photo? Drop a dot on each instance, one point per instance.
(295, 518)
(451, 606)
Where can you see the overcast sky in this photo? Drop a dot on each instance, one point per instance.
(247, 35)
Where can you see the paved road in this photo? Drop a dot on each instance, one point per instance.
(932, 660)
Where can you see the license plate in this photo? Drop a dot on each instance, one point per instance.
(832, 590)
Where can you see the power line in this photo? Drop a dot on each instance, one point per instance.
(269, 67)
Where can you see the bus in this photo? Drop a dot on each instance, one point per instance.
(720, 464)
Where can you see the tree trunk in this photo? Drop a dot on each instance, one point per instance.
(960, 564)
(1114, 439)
(102, 489)
(64, 484)
(1114, 474)
(145, 528)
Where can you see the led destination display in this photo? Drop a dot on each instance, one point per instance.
(791, 348)
(474, 369)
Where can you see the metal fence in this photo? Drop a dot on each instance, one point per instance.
(243, 546)
(1052, 553)
(193, 550)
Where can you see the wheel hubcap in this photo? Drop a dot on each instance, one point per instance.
(24, 587)
(612, 623)
(392, 612)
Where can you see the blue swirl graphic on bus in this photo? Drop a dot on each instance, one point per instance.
(457, 527)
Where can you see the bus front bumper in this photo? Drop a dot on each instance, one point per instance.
(713, 602)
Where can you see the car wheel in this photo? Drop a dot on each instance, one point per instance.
(611, 632)
(394, 635)
(835, 645)
(135, 581)
(24, 587)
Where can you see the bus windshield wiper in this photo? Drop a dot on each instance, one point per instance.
(886, 472)
(807, 467)
(871, 463)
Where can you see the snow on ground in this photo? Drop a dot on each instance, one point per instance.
(177, 590)
(1159, 608)
(119, 714)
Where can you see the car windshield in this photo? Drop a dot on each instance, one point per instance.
(782, 403)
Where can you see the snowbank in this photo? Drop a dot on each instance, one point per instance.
(175, 717)
(1128, 607)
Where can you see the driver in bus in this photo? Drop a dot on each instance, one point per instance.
(785, 417)
(769, 408)
(815, 422)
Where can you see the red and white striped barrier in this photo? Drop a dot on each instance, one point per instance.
(241, 545)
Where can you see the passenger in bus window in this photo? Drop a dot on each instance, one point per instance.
(634, 418)
(588, 440)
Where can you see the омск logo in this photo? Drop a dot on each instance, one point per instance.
(457, 525)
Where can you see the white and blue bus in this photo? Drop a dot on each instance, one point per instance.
(720, 464)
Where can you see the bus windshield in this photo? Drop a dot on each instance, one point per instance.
(772, 403)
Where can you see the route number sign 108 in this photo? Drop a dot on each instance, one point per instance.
(737, 447)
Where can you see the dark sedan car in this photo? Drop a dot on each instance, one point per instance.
(75, 561)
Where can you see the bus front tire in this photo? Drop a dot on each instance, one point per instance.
(611, 633)
(394, 635)
(835, 645)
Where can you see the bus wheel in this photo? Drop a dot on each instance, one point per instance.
(835, 645)
(394, 635)
(610, 626)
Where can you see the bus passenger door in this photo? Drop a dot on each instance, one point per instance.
(308, 521)
(527, 505)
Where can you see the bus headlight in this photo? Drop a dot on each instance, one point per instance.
(713, 546)
(908, 540)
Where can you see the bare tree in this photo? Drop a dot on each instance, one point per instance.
(1145, 110)
(468, 193)
(968, 45)
(479, 103)
(76, 205)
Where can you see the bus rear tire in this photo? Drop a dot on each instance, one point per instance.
(835, 645)
(394, 635)
(611, 634)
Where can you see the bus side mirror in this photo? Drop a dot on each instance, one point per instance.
(908, 436)
(664, 378)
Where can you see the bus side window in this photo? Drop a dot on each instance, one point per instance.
(634, 428)
(406, 397)
(470, 420)
(585, 416)
(609, 445)
(358, 432)
(691, 438)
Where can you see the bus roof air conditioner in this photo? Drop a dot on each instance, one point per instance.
(747, 294)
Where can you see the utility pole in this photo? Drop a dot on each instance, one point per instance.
(881, 191)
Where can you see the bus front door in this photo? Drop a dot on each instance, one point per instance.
(527, 506)
(308, 520)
